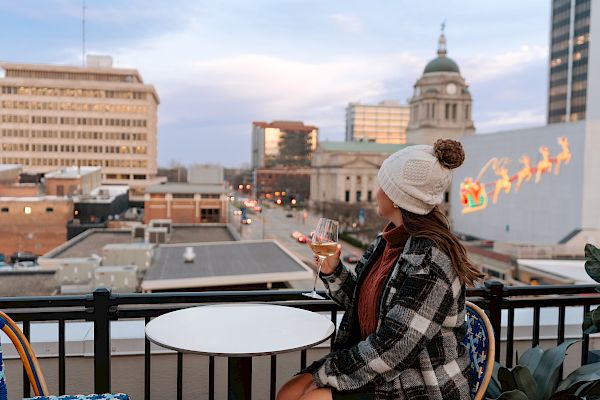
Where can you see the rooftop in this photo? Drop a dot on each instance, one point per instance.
(569, 269)
(360, 147)
(93, 241)
(187, 188)
(285, 125)
(72, 172)
(223, 264)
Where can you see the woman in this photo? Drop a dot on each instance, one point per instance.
(402, 333)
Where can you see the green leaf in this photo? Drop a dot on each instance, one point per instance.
(531, 358)
(591, 322)
(548, 368)
(585, 373)
(525, 381)
(565, 396)
(494, 389)
(513, 395)
(507, 380)
(592, 261)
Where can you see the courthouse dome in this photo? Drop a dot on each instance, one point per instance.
(441, 63)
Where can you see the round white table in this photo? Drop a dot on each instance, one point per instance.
(239, 331)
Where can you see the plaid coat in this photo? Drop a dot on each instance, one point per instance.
(417, 351)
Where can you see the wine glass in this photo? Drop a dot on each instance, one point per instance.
(323, 244)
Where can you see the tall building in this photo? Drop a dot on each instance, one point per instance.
(385, 122)
(282, 143)
(569, 54)
(441, 105)
(59, 116)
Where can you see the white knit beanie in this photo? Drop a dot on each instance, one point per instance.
(416, 177)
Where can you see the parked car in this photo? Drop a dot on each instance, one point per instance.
(350, 259)
(247, 221)
(302, 239)
(26, 266)
(296, 234)
(289, 215)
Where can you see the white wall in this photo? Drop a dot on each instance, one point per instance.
(591, 178)
(541, 213)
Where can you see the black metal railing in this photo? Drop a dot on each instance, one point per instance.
(102, 307)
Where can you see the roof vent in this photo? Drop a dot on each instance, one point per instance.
(189, 255)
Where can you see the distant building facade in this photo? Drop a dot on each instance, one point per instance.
(36, 217)
(347, 171)
(569, 59)
(205, 174)
(441, 105)
(186, 203)
(59, 116)
(270, 183)
(385, 122)
(282, 143)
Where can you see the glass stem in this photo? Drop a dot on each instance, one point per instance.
(321, 259)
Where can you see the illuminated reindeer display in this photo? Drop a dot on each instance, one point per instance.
(544, 165)
(565, 154)
(525, 173)
(504, 183)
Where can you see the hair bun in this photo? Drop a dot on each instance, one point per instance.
(449, 153)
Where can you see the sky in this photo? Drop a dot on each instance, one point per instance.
(220, 65)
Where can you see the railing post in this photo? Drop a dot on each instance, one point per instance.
(495, 290)
(101, 340)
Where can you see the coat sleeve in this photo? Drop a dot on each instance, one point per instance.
(342, 282)
(421, 306)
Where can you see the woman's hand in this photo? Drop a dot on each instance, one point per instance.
(329, 264)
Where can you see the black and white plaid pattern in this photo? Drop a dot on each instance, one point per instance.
(417, 351)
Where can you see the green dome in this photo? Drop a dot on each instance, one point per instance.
(441, 64)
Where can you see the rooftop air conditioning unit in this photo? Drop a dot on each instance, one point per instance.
(139, 231)
(156, 235)
(162, 223)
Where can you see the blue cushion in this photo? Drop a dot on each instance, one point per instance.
(3, 395)
(477, 343)
(117, 396)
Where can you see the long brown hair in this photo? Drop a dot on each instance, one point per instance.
(435, 226)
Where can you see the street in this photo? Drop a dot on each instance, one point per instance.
(274, 223)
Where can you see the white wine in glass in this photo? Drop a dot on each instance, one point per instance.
(323, 244)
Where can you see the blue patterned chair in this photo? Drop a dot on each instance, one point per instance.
(481, 348)
(32, 367)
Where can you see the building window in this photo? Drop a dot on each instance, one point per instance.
(358, 196)
(347, 197)
(5, 210)
(49, 209)
(447, 113)
(209, 215)
(454, 112)
(369, 196)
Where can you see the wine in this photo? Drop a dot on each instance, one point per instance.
(325, 249)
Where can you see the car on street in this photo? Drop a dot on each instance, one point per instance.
(350, 259)
(247, 221)
(296, 234)
(289, 215)
(302, 239)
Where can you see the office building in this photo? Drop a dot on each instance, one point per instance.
(60, 116)
(282, 143)
(569, 59)
(385, 122)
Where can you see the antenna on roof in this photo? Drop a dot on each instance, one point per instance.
(83, 34)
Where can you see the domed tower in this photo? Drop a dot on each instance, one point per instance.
(441, 103)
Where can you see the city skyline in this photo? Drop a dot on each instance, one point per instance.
(219, 67)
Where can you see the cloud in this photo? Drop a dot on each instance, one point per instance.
(349, 23)
(489, 66)
(500, 121)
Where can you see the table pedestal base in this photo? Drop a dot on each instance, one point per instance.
(239, 378)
